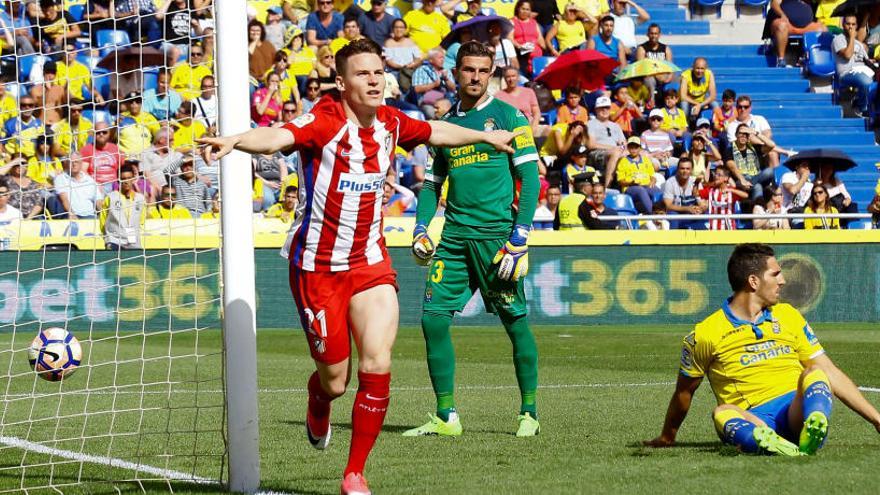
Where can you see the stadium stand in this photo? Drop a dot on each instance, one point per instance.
(797, 102)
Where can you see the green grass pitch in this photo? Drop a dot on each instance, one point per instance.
(604, 389)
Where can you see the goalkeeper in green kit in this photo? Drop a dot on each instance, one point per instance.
(484, 242)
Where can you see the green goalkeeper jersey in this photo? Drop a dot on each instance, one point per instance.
(480, 200)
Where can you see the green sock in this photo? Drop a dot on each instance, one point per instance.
(441, 360)
(525, 361)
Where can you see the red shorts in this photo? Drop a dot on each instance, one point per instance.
(323, 299)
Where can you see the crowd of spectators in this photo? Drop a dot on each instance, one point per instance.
(670, 143)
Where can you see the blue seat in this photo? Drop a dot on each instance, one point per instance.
(111, 39)
(101, 83)
(96, 116)
(817, 49)
(706, 4)
(624, 205)
(26, 64)
(764, 4)
(549, 118)
(151, 78)
(393, 11)
(541, 63)
(77, 11)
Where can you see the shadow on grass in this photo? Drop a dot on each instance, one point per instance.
(347, 426)
(387, 428)
(640, 450)
(94, 485)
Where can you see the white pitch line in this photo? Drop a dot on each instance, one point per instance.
(869, 389)
(167, 474)
(304, 390)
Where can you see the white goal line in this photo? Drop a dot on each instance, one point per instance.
(163, 474)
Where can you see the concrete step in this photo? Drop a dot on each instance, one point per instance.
(682, 27)
(827, 125)
(815, 140)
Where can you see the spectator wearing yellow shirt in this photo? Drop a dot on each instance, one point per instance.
(296, 10)
(824, 9)
(43, 167)
(135, 136)
(635, 175)
(135, 112)
(300, 57)
(72, 131)
(186, 77)
(674, 119)
(167, 208)
(19, 132)
(427, 26)
(261, 8)
(350, 31)
(8, 106)
(76, 77)
(286, 210)
(698, 89)
(187, 130)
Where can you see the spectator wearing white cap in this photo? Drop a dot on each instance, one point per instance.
(606, 139)
(657, 142)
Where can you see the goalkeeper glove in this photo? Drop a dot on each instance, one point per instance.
(513, 258)
(422, 245)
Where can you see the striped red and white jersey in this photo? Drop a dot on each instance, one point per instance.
(338, 222)
(721, 203)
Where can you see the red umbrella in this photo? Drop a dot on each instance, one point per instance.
(586, 69)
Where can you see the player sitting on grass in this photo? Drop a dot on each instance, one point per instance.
(485, 239)
(771, 377)
(340, 272)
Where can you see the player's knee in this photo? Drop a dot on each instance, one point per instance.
(335, 387)
(379, 364)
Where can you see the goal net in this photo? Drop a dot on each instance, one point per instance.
(100, 110)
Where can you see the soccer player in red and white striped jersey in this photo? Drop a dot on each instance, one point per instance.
(340, 272)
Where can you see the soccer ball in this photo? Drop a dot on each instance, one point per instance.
(54, 354)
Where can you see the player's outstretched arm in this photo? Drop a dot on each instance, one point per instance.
(847, 391)
(446, 134)
(679, 405)
(263, 140)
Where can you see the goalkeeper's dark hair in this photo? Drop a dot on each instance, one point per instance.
(356, 47)
(473, 49)
(747, 260)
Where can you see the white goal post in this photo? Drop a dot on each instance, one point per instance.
(239, 300)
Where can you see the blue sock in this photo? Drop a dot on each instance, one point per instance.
(740, 432)
(817, 397)
(817, 393)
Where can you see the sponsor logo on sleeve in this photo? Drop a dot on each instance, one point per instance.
(525, 139)
(304, 120)
(810, 335)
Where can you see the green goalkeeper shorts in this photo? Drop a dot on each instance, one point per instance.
(462, 266)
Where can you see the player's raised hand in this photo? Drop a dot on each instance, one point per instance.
(422, 245)
(513, 258)
(216, 147)
(501, 140)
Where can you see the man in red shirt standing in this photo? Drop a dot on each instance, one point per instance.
(340, 272)
(101, 158)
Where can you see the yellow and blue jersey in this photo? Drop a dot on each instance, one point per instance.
(749, 363)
